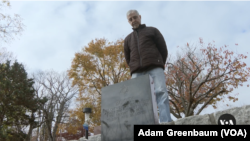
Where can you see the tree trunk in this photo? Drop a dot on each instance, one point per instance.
(32, 120)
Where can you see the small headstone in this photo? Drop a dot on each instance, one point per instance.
(97, 130)
(125, 104)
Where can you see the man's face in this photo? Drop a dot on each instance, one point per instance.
(134, 20)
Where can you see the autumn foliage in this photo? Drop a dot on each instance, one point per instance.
(195, 81)
(98, 65)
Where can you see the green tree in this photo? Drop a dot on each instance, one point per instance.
(17, 101)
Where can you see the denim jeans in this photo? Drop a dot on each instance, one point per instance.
(160, 91)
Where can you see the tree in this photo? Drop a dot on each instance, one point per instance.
(10, 25)
(5, 55)
(98, 65)
(57, 88)
(15, 89)
(201, 80)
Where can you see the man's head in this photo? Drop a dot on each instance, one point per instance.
(134, 18)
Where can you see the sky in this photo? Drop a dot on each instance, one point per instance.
(56, 30)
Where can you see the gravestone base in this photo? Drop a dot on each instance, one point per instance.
(125, 104)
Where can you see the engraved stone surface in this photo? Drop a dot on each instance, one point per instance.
(126, 104)
(194, 120)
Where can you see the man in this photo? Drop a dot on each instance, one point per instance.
(146, 53)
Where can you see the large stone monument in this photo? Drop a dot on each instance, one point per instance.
(125, 104)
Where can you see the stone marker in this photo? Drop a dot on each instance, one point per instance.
(97, 130)
(125, 104)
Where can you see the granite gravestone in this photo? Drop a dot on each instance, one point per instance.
(125, 104)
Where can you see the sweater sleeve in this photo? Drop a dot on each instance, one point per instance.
(126, 51)
(161, 45)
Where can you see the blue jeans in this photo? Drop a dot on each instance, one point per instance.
(160, 91)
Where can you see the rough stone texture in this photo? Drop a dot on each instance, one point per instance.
(194, 120)
(241, 114)
(82, 139)
(126, 104)
(247, 114)
(167, 123)
(96, 138)
(212, 119)
(237, 112)
(91, 138)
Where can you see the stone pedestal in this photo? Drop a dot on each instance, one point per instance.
(125, 104)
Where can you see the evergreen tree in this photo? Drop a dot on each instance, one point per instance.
(18, 102)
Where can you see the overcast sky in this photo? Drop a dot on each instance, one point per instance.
(55, 31)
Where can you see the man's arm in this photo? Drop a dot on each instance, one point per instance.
(126, 51)
(161, 45)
